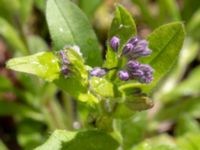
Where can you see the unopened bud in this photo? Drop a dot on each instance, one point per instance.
(98, 72)
(114, 43)
(123, 75)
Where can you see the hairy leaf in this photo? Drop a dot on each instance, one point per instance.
(101, 87)
(43, 64)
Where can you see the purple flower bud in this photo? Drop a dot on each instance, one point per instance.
(136, 48)
(144, 53)
(132, 65)
(136, 73)
(134, 40)
(64, 58)
(148, 74)
(114, 43)
(98, 72)
(123, 75)
(141, 72)
(141, 45)
(146, 79)
(127, 50)
(65, 70)
(146, 68)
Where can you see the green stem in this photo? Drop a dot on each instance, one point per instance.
(53, 115)
(68, 105)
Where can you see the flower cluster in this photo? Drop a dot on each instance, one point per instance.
(133, 49)
(135, 70)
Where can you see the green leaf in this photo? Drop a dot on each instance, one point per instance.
(8, 8)
(40, 4)
(89, 7)
(18, 10)
(92, 140)
(5, 84)
(133, 129)
(2, 146)
(69, 26)
(25, 10)
(186, 124)
(43, 64)
(166, 43)
(57, 139)
(189, 7)
(186, 57)
(72, 85)
(12, 37)
(176, 109)
(123, 26)
(188, 87)
(169, 9)
(29, 137)
(47, 66)
(88, 97)
(189, 141)
(193, 25)
(88, 140)
(102, 87)
(36, 44)
(162, 142)
(121, 111)
(14, 109)
(77, 62)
